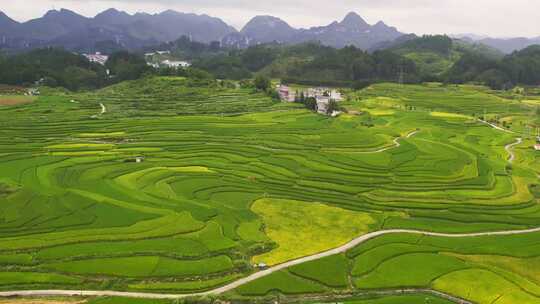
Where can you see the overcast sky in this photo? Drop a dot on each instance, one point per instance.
(500, 18)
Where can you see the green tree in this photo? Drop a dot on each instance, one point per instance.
(311, 103)
(262, 83)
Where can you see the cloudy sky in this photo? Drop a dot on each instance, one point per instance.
(500, 18)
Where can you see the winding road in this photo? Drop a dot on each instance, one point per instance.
(509, 149)
(396, 144)
(357, 241)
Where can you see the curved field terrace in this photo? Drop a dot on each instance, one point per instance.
(164, 186)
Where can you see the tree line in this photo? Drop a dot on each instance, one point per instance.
(57, 67)
(520, 67)
(308, 63)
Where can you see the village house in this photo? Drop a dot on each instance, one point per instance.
(97, 58)
(335, 95)
(324, 96)
(285, 93)
(176, 64)
(323, 103)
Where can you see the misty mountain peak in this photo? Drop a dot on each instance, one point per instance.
(5, 18)
(354, 21)
(6, 22)
(61, 13)
(268, 29)
(170, 12)
(113, 16)
(266, 21)
(380, 24)
(112, 12)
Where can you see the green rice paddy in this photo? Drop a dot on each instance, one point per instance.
(231, 178)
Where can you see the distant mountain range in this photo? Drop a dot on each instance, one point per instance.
(509, 45)
(352, 30)
(71, 30)
(112, 27)
(505, 45)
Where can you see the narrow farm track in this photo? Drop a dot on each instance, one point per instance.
(103, 109)
(494, 126)
(396, 143)
(509, 149)
(260, 274)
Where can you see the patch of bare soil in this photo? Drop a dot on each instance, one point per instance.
(41, 301)
(12, 101)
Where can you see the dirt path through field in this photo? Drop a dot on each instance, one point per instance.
(41, 301)
(494, 126)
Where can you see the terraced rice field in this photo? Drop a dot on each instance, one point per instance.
(229, 178)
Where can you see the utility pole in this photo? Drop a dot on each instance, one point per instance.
(401, 75)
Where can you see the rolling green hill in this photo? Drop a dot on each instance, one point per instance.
(178, 185)
(435, 55)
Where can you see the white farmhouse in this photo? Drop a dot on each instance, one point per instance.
(323, 102)
(176, 64)
(285, 93)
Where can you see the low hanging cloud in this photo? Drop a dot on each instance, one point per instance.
(499, 18)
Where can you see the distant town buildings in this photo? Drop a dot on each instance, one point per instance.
(157, 53)
(97, 58)
(323, 97)
(176, 64)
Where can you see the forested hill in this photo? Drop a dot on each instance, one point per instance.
(424, 59)
(435, 55)
(522, 67)
(53, 67)
(57, 67)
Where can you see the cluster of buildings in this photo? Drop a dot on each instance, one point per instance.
(322, 95)
(151, 60)
(176, 64)
(157, 53)
(97, 58)
(170, 64)
(537, 145)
